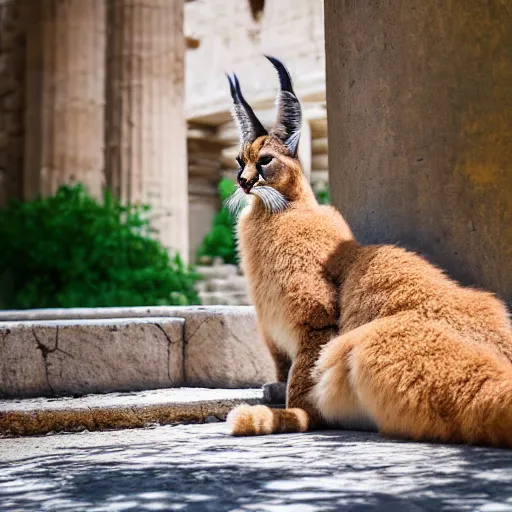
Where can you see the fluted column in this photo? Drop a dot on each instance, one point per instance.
(65, 84)
(12, 79)
(146, 130)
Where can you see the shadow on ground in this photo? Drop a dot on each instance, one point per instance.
(198, 467)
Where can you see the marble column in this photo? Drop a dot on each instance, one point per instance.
(64, 95)
(146, 154)
(12, 78)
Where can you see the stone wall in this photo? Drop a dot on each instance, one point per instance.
(232, 37)
(79, 351)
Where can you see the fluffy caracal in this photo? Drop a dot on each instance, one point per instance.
(366, 337)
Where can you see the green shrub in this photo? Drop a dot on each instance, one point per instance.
(323, 196)
(70, 250)
(220, 241)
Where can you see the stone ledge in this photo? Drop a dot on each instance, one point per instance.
(41, 416)
(223, 348)
(121, 312)
(41, 358)
(74, 351)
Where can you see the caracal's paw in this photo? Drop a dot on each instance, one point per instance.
(251, 420)
(274, 393)
(259, 420)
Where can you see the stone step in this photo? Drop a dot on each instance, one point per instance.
(224, 271)
(42, 358)
(234, 283)
(39, 416)
(224, 297)
(79, 351)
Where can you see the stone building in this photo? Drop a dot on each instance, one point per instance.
(132, 95)
(419, 102)
(93, 91)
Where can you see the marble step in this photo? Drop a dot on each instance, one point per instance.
(79, 351)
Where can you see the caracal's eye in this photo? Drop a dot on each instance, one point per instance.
(265, 160)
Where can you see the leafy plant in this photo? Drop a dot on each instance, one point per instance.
(70, 250)
(323, 196)
(220, 241)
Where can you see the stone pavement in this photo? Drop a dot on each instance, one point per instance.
(200, 467)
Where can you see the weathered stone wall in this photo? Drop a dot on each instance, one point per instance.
(233, 38)
(79, 351)
(420, 114)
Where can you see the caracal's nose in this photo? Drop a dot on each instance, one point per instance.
(246, 184)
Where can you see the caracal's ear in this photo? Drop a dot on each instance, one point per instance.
(248, 124)
(289, 114)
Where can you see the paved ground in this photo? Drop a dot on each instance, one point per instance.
(199, 467)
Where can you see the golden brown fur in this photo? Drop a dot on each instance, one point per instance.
(377, 337)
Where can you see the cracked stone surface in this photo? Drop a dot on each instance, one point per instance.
(200, 467)
(223, 349)
(38, 416)
(86, 356)
(76, 351)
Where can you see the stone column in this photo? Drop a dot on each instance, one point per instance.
(146, 152)
(419, 98)
(12, 70)
(64, 95)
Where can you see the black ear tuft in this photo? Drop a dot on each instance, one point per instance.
(249, 125)
(285, 80)
(289, 113)
(231, 87)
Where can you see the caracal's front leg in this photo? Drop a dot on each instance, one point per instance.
(275, 392)
(301, 413)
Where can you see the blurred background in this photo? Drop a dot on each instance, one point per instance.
(130, 98)
(117, 146)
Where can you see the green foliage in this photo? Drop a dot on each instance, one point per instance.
(323, 196)
(220, 241)
(70, 250)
